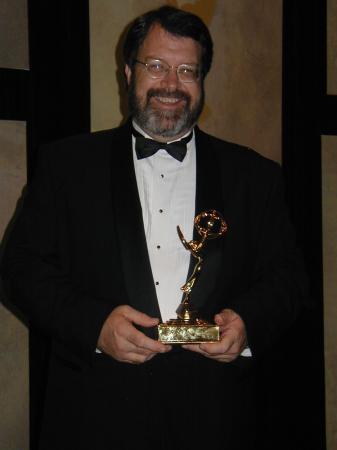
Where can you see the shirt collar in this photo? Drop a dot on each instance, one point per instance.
(143, 133)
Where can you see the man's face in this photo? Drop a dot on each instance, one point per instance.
(166, 107)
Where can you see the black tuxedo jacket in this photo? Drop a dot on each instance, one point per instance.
(78, 250)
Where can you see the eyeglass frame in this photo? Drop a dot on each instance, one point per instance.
(170, 68)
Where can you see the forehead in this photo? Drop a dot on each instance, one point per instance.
(173, 49)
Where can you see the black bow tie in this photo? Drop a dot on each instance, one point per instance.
(148, 147)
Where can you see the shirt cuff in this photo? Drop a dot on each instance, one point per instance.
(246, 352)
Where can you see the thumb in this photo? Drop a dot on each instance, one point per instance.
(224, 317)
(140, 318)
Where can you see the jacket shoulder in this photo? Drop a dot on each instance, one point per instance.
(83, 156)
(87, 149)
(86, 141)
(236, 155)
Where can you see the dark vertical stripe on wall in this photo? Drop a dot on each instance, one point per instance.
(59, 106)
(59, 52)
(304, 89)
(13, 94)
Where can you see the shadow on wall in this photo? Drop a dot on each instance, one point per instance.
(121, 80)
(5, 293)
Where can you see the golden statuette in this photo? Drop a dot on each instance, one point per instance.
(188, 327)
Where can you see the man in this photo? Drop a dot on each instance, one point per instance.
(95, 262)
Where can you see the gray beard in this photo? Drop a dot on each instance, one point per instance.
(164, 123)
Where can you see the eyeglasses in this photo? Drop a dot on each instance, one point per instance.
(157, 69)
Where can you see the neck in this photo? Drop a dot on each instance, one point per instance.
(163, 139)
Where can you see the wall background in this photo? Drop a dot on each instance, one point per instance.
(13, 34)
(329, 218)
(14, 423)
(329, 193)
(13, 334)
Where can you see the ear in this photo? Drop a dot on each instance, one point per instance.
(128, 73)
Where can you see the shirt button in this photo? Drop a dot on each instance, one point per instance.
(161, 211)
(158, 247)
(157, 282)
(162, 175)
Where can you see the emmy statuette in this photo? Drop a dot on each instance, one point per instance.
(188, 327)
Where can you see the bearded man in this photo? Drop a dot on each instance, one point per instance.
(95, 262)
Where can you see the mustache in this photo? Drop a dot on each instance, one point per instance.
(165, 93)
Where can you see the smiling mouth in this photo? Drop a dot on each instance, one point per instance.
(168, 100)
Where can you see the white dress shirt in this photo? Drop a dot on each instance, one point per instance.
(167, 195)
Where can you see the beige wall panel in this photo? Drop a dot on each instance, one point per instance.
(332, 47)
(329, 191)
(13, 335)
(243, 90)
(244, 86)
(13, 34)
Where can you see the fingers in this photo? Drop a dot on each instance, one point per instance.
(120, 339)
(233, 338)
(142, 342)
(219, 348)
(140, 359)
(136, 358)
(213, 351)
(226, 317)
(136, 337)
(224, 351)
(137, 317)
(220, 357)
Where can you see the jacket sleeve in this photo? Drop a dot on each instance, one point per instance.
(37, 282)
(278, 287)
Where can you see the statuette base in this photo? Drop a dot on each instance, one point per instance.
(177, 331)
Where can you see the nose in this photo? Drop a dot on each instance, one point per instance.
(171, 80)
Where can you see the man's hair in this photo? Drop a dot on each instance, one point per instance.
(176, 22)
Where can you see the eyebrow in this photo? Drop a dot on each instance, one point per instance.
(164, 60)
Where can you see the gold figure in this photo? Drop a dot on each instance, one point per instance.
(188, 327)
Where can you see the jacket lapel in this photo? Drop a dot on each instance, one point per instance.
(129, 224)
(208, 196)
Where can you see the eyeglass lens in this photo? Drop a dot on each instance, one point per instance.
(158, 69)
